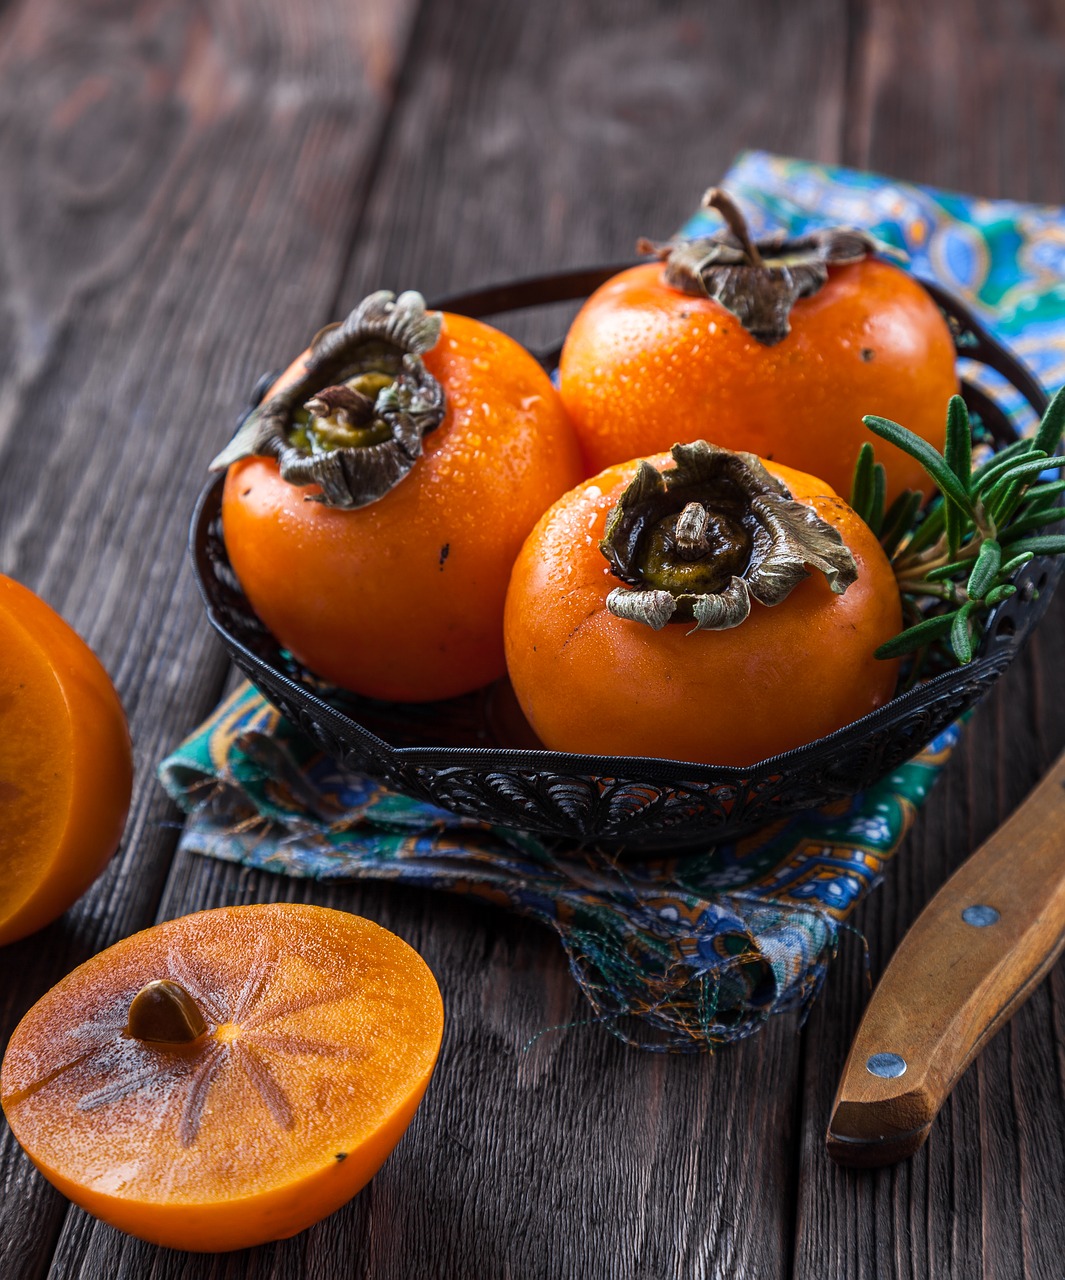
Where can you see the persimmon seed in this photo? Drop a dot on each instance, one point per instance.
(163, 1012)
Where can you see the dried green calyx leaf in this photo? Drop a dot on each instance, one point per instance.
(354, 420)
(699, 540)
(758, 281)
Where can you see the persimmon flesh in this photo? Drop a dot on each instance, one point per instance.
(66, 768)
(402, 599)
(645, 365)
(321, 1033)
(593, 683)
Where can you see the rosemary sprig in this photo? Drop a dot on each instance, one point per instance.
(982, 527)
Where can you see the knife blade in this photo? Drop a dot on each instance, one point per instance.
(973, 956)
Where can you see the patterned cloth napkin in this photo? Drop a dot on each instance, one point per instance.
(690, 952)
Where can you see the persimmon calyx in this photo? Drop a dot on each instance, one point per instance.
(163, 1012)
(353, 422)
(698, 541)
(757, 281)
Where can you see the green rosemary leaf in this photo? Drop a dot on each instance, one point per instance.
(932, 461)
(998, 460)
(1051, 544)
(1012, 565)
(985, 570)
(928, 530)
(899, 518)
(956, 523)
(862, 482)
(997, 594)
(895, 511)
(958, 452)
(876, 501)
(1010, 469)
(1006, 507)
(947, 571)
(1026, 523)
(1048, 437)
(1008, 492)
(1031, 466)
(1046, 495)
(917, 636)
(961, 633)
(959, 446)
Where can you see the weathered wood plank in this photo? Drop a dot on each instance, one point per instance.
(176, 177)
(138, 288)
(529, 137)
(967, 99)
(561, 135)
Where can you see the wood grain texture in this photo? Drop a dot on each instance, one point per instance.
(964, 96)
(199, 187)
(553, 140)
(967, 98)
(562, 133)
(570, 1156)
(176, 174)
(953, 982)
(957, 1207)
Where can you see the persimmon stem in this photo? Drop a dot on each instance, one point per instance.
(724, 204)
(163, 1012)
(936, 556)
(921, 587)
(348, 406)
(690, 533)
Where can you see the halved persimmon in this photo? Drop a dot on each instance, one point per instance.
(66, 768)
(699, 607)
(227, 1078)
(396, 469)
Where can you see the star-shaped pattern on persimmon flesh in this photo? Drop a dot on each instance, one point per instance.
(238, 1033)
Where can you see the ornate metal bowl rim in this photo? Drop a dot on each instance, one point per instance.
(1006, 630)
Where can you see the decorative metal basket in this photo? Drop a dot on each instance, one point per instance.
(476, 756)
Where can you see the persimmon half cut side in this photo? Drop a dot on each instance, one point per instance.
(320, 1034)
(402, 599)
(66, 769)
(593, 683)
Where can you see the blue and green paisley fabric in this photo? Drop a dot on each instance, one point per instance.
(687, 953)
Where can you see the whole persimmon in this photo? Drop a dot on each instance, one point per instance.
(66, 768)
(227, 1078)
(716, 610)
(396, 469)
(777, 347)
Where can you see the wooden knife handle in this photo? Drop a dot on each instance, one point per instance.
(971, 959)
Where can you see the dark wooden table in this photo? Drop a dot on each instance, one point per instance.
(189, 190)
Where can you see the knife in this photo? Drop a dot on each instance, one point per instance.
(974, 955)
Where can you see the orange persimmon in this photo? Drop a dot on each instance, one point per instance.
(652, 358)
(66, 768)
(401, 596)
(227, 1078)
(596, 683)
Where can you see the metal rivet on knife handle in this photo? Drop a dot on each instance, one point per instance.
(886, 1065)
(980, 916)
